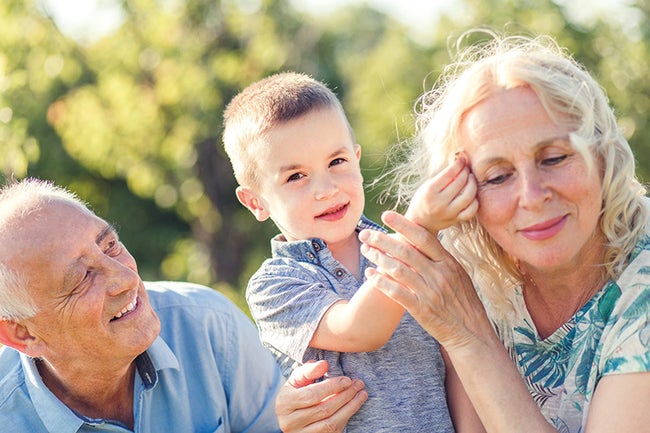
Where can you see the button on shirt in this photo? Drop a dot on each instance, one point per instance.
(206, 372)
(288, 297)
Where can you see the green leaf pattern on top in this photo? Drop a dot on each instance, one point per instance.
(609, 334)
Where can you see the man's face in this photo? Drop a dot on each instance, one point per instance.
(93, 308)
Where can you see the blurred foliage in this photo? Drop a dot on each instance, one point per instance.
(132, 122)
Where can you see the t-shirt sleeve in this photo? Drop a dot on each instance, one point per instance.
(626, 347)
(287, 302)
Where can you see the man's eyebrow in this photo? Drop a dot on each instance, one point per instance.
(107, 231)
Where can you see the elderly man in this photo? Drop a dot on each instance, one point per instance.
(96, 349)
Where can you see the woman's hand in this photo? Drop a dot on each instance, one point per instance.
(305, 406)
(417, 272)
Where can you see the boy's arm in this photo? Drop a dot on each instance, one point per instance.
(362, 324)
(368, 320)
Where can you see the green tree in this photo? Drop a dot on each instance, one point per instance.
(132, 122)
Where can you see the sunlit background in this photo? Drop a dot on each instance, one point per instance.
(122, 101)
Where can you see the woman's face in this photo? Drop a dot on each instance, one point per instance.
(537, 197)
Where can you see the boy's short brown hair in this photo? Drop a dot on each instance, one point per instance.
(263, 105)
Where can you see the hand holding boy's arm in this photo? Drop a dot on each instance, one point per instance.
(446, 198)
(303, 406)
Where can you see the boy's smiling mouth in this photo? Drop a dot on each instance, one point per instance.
(334, 213)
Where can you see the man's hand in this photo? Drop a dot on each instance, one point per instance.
(306, 406)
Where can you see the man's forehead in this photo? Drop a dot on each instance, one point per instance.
(56, 222)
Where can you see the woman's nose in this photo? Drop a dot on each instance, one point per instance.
(533, 188)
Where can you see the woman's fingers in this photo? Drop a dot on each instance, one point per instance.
(419, 237)
(397, 291)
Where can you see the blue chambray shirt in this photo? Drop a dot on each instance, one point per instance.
(206, 372)
(288, 297)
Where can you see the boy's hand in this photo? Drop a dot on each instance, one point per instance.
(446, 198)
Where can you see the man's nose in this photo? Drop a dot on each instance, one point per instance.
(121, 273)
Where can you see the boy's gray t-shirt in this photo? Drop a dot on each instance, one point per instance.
(405, 378)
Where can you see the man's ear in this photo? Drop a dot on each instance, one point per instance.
(15, 335)
(253, 202)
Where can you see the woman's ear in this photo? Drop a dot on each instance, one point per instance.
(15, 335)
(252, 202)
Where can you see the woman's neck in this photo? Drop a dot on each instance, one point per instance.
(552, 301)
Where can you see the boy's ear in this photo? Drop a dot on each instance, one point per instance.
(357, 151)
(253, 202)
(15, 335)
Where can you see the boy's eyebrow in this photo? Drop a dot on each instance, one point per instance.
(336, 152)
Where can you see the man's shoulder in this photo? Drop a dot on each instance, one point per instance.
(164, 294)
(12, 378)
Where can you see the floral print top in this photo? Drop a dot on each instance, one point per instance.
(610, 334)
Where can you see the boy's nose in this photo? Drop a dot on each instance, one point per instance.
(325, 189)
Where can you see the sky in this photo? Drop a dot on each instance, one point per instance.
(86, 20)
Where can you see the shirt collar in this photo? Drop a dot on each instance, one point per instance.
(57, 417)
(313, 246)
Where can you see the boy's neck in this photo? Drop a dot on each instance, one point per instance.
(348, 254)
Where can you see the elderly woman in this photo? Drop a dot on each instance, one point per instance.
(557, 338)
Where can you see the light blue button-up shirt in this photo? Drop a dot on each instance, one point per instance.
(206, 372)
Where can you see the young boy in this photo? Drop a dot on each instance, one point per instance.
(296, 161)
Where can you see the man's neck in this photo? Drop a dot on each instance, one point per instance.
(96, 394)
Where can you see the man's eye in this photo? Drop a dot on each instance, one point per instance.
(113, 247)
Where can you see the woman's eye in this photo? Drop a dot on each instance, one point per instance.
(337, 161)
(497, 180)
(294, 177)
(554, 160)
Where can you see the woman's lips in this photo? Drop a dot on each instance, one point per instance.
(544, 230)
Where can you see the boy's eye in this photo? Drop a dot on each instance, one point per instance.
(294, 177)
(337, 161)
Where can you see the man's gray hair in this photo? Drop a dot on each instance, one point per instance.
(17, 200)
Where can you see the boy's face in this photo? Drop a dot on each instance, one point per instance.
(310, 179)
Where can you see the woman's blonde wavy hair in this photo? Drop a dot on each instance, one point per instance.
(572, 98)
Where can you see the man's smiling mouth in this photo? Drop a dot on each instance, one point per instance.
(126, 310)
